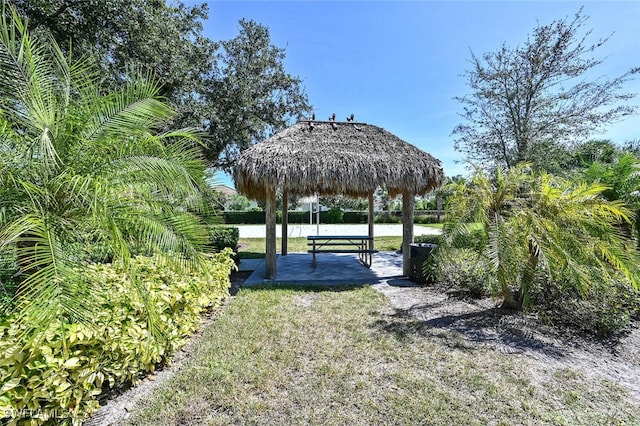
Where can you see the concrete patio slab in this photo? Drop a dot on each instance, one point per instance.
(247, 265)
(331, 269)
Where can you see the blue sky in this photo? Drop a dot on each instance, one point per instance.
(398, 64)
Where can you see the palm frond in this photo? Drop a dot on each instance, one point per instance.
(537, 221)
(53, 288)
(126, 113)
(29, 86)
(79, 167)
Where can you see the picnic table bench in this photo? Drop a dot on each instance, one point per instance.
(342, 244)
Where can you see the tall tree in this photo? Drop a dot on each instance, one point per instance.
(237, 90)
(121, 35)
(529, 100)
(252, 96)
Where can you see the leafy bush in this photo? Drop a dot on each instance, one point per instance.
(258, 217)
(224, 236)
(425, 218)
(467, 270)
(299, 217)
(247, 217)
(335, 216)
(302, 217)
(603, 310)
(144, 317)
(476, 239)
(327, 216)
(355, 217)
(428, 239)
(8, 270)
(238, 202)
(387, 218)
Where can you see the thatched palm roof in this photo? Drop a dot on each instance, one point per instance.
(336, 158)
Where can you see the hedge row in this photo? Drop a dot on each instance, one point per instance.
(329, 216)
(54, 376)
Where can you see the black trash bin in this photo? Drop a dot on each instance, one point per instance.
(418, 255)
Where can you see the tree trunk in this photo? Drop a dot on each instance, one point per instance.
(529, 275)
(516, 299)
(511, 300)
(285, 223)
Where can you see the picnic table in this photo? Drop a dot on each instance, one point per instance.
(342, 244)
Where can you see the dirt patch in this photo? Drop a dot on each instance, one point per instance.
(306, 300)
(450, 315)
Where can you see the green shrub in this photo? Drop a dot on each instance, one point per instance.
(476, 239)
(327, 216)
(605, 309)
(258, 217)
(302, 217)
(425, 218)
(387, 218)
(215, 218)
(8, 281)
(298, 217)
(247, 217)
(141, 320)
(466, 269)
(428, 239)
(335, 216)
(355, 217)
(224, 236)
(238, 202)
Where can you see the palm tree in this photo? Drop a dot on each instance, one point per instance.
(536, 221)
(80, 169)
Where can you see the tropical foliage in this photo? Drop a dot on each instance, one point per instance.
(536, 223)
(616, 166)
(82, 170)
(101, 231)
(143, 316)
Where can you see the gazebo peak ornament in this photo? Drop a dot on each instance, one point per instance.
(332, 158)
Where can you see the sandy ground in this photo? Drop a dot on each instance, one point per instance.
(480, 322)
(477, 322)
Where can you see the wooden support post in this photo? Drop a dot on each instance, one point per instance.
(270, 249)
(317, 214)
(370, 219)
(285, 221)
(408, 205)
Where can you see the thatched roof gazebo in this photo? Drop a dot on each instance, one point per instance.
(332, 158)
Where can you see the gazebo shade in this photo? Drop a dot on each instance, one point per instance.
(330, 158)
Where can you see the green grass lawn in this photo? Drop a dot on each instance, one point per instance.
(254, 247)
(284, 356)
(431, 225)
